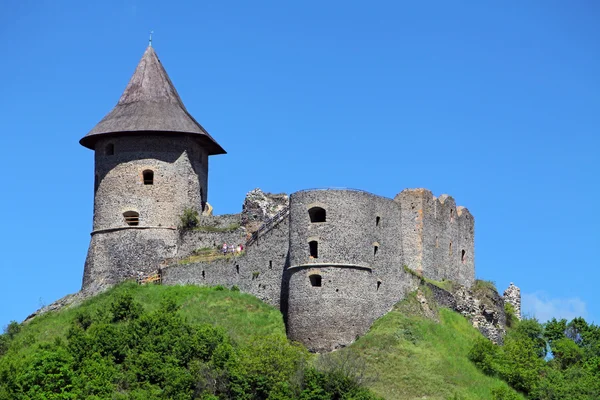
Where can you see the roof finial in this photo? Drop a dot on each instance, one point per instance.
(150, 42)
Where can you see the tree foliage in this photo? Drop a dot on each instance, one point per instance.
(555, 360)
(125, 352)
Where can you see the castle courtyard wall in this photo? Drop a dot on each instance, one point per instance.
(258, 271)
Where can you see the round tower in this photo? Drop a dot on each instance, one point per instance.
(331, 279)
(151, 163)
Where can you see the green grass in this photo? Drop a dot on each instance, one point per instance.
(243, 316)
(407, 355)
(411, 357)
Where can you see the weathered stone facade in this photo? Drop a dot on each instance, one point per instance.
(332, 260)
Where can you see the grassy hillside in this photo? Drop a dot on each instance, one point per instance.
(404, 356)
(412, 357)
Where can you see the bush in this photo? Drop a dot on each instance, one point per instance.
(189, 219)
(125, 308)
(482, 354)
(511, 318)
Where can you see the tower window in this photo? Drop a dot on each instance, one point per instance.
(132, 218)
(450, 249)
(317, 214)
(377, 220)
(315, 280)
(378, 284)
(313, 246)
(148, 177)
(451, 215)
(375, 248)
(109, 150)
(463, 256)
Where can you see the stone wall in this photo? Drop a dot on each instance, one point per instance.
(258, 271)
(512, 296)
(119, 250)
(437, 236)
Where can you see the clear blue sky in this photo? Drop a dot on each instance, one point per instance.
(495, 103)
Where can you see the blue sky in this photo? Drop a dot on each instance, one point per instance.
(494, 103)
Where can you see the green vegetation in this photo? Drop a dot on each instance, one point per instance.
(182, 343)
(412, 357)
(189, 219)
(572, 373)
(448, 286)
(187, 342)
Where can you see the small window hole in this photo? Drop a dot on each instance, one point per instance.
(378, 284)
(148, 177)
(109, 150)
(463, 257)
(437, 242)
(317, 214)
(237, 269)
(375, 248)
(313, 247)
(315, 280)
(132, 218)
(377, 220)
(270, 264)
(450, 249)
(203, 275)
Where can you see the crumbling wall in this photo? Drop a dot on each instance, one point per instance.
(257, 271)
(434, 235)
(512, 296)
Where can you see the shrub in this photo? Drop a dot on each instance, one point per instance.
(189, 219)
(511, 318)
(125, 308)
(235, 288)
(219, 288)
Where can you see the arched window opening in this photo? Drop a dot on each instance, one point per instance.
(450, 249)
(451, 215)
(377, 220)
(109, 150)
(315, 280)
(375, 248)
(463, 256)
(313, 247)
(148, 177)
(317, 214)
(132, 218)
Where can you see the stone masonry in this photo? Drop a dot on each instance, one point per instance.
(331, 260)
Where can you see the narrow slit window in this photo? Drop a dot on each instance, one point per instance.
(148, 177)
(451, 215)
(378, 284)
(313, 247)
(270, 264)
(463, 256)
(377, 220)
(315, 280)
(450, 249)
(132, 218)
(317, 214)
(375, 249)
(109, 150)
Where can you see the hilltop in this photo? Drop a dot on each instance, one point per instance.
(96, 349)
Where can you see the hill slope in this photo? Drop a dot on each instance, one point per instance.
(404, 356)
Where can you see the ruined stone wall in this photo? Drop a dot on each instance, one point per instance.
(180, 169)
(212, 232)
(434, 235)
(258, 271)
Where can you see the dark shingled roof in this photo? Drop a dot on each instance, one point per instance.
(150, 103)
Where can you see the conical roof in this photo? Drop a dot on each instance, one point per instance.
(150, 103)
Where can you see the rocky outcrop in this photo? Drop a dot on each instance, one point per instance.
(512, 296)
(260, 206)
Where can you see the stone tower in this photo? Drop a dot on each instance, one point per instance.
(151, 163)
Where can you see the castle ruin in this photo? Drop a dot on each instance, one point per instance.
(332, 260)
